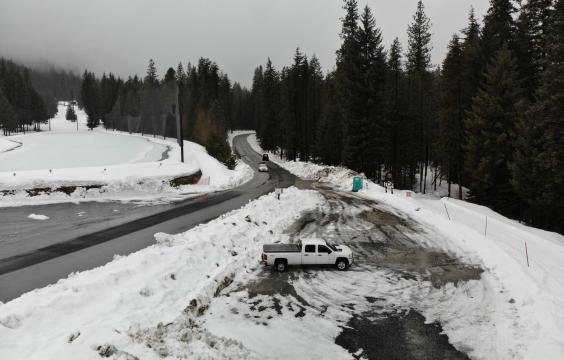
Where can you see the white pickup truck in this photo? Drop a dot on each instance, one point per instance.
(306, 252)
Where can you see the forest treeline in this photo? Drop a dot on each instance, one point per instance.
(489, 118)
(209, 104)
(28, 97)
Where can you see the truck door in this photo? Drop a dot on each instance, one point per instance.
(309, 255)
(324, 256)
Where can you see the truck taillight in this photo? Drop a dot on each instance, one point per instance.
(264, 257)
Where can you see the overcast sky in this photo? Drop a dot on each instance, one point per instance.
(120, 36)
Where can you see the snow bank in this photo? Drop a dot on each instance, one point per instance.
(479, 235)
(150, 297)
(127, 166)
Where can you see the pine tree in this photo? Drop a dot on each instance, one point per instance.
(315, 94)
(491, 139)
(372, 136)
(180, 74)
(257, 96)
(70, 114)
(170, 75)
(269, 102)
(471, 61)
(399, 130)
(349, 82)
(499, 29)
(151, 79)
(450, 139)
(418, 63)
(8, 119)
(90, 97)
(329, 138)
(537, 172)
(530, 48)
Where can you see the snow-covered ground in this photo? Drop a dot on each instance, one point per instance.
(146, 303)
(7, 145)
(129, 166)
(479, 235)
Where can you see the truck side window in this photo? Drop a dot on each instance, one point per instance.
(310, 248)
(323, 249)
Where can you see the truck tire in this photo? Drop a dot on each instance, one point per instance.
(342, 264)
(280, 265)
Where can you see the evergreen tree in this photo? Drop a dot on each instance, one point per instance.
(257, 96)
(108, 93)
(499, 29)
(269, 105)
(532, 31)
(70, 114)
(420, 117)
(170, 75)
(471, 61)
(371, 138)
(537, 172)
(8, 119)
(151, 79)
(180, 74)
(294, 107)
(450, 139)
(90, 97)
(491, 139)
(329, 139)
(399, 127)
(349, 80)
(315, 98)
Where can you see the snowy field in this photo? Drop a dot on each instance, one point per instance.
(144, 303)
(7, 145)
(128, 166)
(478, 234)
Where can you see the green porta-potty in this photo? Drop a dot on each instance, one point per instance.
(357, 183)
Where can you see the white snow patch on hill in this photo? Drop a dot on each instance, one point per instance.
(477, 234)
(151, 296)
(38, 217)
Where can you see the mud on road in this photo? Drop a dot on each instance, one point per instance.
(376, 302)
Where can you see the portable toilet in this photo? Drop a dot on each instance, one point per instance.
(357, 183)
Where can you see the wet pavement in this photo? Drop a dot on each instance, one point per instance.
(376, 303)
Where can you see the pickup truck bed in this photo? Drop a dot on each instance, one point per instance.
(280, 248)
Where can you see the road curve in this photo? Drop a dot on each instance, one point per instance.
(64, 250)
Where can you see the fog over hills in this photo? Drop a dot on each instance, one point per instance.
(121, 36)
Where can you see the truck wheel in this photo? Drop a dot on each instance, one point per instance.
(280, 266)
(342, 264)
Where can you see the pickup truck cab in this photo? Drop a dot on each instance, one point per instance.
(306, 252)
(262, 167)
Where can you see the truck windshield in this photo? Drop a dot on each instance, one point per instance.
(332, 247)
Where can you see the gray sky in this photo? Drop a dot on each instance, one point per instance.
(121, 35)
